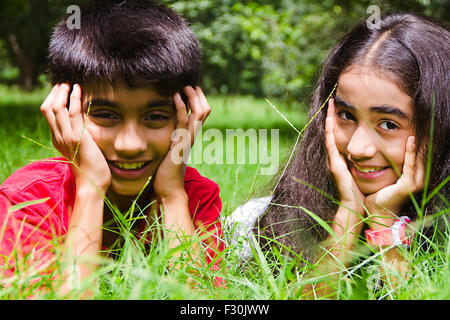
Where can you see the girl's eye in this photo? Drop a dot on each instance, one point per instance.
(345, 115)
(388, 125)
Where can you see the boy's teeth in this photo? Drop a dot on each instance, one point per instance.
(367, 170)
(129, 166)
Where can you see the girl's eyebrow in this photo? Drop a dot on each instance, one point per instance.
(383, 109)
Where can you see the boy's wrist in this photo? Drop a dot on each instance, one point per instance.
(175, 197)
(89, 189)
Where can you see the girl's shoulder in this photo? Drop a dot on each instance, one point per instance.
(241, 222)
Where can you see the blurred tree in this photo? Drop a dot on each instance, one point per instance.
(270, 48)
(275, 48)
(25, 28)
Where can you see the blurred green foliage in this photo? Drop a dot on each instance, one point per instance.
(270, 48)
(275, 48)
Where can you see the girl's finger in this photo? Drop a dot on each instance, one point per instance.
(420, 173)
(330, 141)
(409, 165)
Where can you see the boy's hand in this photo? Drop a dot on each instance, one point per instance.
(169, 179)
(385, 203)
(70, 137)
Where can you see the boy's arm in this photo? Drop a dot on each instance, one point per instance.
(92, 178)
(169, 180)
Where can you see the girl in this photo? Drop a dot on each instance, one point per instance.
(381, 95)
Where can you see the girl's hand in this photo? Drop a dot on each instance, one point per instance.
(385, 203)
(70, 137)
(169, 179)
(350, 195)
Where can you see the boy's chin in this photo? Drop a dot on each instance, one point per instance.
(127, 188)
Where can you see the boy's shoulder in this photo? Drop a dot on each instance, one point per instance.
(203, 194)
(192, 176)
(51, 171)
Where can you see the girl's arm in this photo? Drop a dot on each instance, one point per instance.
(384, 206)
(92, 179)
(348, 221)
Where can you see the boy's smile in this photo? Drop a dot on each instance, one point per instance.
(373, 124)
(133, 129)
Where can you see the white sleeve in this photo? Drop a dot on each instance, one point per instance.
(240, 223)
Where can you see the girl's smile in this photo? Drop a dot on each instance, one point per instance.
(372, 126)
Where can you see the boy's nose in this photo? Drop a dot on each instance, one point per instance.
(361, 144)
(130, 142)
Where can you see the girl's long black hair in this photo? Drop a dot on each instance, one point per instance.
(415, 52)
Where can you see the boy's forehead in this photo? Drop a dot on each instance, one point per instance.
(120, 89)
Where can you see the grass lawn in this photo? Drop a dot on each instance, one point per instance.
(136, 275)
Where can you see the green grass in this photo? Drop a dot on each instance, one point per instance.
(137, 275)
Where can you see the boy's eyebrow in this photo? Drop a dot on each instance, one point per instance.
(151, 104)
(383, 109)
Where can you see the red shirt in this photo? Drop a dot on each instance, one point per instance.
(31, 229)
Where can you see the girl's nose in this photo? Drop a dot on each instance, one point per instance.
(130, 141)
(361, 145)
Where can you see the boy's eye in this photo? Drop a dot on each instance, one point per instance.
(345, 115)
(388, 125)
(156, 117)
(104, 115)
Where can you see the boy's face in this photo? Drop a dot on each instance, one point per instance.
(133, 129)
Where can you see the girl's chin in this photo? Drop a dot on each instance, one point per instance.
(369, 188)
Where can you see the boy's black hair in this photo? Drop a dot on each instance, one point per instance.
(139, 42)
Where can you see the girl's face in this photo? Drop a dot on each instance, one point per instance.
(373, 122)
(133, 129)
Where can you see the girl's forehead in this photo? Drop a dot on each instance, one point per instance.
(364, 87)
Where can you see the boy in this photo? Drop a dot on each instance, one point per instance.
(115, 105)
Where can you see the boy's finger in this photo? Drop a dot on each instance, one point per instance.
(182, 117)
(204, 103)
(194, 103)
(61, 113)
(46, 109)
(62, 94)
(76, 118)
